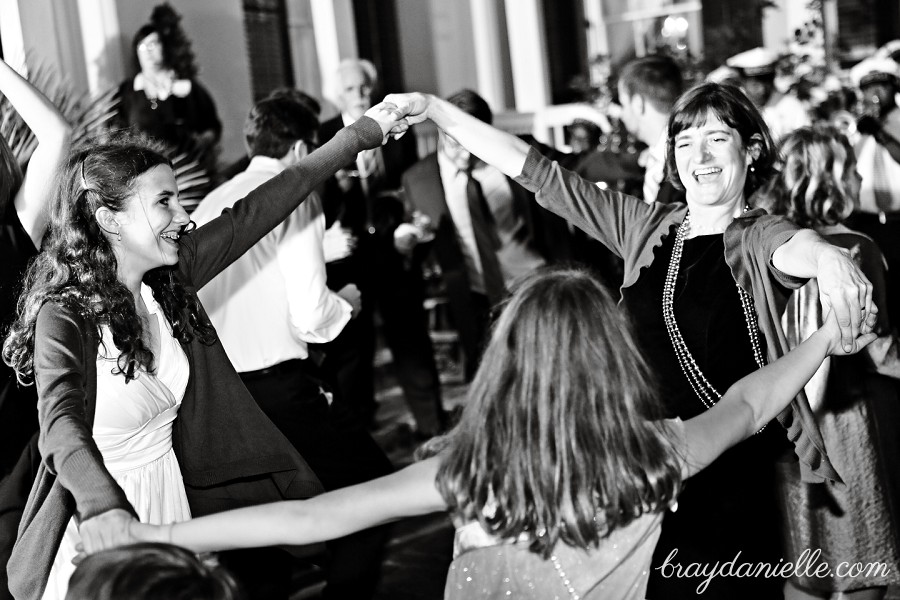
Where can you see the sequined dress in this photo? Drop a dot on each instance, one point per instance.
(487, 568)
(731, 506)
(133, 431)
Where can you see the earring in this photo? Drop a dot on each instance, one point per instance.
(752, 169)
(119, 235)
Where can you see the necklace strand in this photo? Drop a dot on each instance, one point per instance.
(704, 390)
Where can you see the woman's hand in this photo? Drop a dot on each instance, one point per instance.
(106, 530)
(414, 105)
(832, 332)
(846, 291)
(391, 118)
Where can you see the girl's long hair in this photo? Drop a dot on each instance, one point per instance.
(78, 267)
(811, 187)
(559, 439)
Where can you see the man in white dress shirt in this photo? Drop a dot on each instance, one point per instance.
(266, 308)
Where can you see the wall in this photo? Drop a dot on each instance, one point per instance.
(216, 30)
(47, 33)
(416, 35)
(454, 47)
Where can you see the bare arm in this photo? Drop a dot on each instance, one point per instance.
(843, 287)
(757, 398)
(495, 147)
(408, 492)
(53, 134)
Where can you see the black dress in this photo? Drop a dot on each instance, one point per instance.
(18, 405)
(731, 506)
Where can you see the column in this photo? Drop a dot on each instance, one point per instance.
(100, 32)
(488, 54)
(335, 35)
(531, 80)
(302, 39)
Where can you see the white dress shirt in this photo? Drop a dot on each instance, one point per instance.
(655, 168)
(515, 256)
(274, 299)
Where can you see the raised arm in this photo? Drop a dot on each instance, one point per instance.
(406, 493)
(843, 287)
(498, 148)
(53, 134)
(206, 252)
(757, 398)
(616, 220)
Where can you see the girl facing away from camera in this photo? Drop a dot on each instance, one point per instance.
(560, 470)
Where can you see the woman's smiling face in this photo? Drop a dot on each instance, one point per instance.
(712, 163)
(152, 221)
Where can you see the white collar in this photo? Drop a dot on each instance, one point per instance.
(265, 164)
(149, 300)
(170, 86)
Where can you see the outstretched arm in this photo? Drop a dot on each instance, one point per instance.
(758, 398)
(843, 287)
(498, 148)
(405, 493)
(53, 134)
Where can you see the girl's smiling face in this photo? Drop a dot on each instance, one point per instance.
(151, 223)
(712, 163)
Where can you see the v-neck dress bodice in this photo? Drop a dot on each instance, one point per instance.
(133, 431)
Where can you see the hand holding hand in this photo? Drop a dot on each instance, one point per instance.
(831, 329)
(413, 106)
(351, 294)
(391, 119)
(106, 530)
(846, 291)
(338, 242)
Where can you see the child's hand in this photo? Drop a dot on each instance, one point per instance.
(832, 331)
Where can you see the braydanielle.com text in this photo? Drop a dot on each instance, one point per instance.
(808, 565)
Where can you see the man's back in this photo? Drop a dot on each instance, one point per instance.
(272, 300)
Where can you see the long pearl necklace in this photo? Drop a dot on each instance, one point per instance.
(703, 388)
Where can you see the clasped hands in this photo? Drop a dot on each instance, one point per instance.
(397, 112)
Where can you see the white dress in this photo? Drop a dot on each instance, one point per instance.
(133, 430)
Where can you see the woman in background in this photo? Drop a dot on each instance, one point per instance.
(165, 100)
(856, 407)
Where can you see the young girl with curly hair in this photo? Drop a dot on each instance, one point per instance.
(111, 331)
(560, 470)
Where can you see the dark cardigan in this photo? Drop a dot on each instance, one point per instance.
(230, 454)
(632, 229)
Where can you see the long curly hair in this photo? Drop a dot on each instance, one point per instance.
(177, 52)
(78, 266)
(812, 188)
(560, 438)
